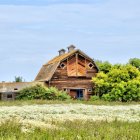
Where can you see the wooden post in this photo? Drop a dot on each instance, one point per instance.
(68, 90)
(85, 94)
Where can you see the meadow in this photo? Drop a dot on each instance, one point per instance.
(77, 120)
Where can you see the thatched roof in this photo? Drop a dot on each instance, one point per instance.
(48, 69)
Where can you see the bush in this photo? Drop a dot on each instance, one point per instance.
(41, 92)
(101, 84)
(119, 84)
(94, 98)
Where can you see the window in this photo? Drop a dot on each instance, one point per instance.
(62, 65)
(90, 65)
(66, 90)
(9, 96)
(89, 90)
(15, 89)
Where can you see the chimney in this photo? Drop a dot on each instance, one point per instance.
(71, 48)
(61, 52)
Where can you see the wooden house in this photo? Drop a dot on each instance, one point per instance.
(70, 71)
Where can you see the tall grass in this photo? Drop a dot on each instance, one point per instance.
(40, 102)
(72, 130)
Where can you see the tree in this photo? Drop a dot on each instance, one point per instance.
(18, 79)
(135, 62)
(119, 84)
(104, 66)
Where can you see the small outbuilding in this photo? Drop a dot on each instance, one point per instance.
(8, 91)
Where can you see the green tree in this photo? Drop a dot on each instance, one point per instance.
(18, 79)
(119, 84)
(104, 66)
(135, 62)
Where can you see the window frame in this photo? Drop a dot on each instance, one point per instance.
(62, 67)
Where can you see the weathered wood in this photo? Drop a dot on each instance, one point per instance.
(70, 71)
(76, 74)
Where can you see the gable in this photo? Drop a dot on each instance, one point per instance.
(78, 65)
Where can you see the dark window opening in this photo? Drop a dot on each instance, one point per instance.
(15, 89)
(91, 65)
(9, 96)
(80, 94)
(62, 65)
(65, 90)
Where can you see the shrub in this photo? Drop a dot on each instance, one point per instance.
(101, 84)
(41, 92)
(94, 98)
(119, 84)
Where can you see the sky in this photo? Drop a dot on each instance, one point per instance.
(32, 32)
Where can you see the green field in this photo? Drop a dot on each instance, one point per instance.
(76, 130)
(40, 102)
(69, 120)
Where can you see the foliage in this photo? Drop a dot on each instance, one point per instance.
(135, 62)
(94, 98)
(72, 130)
(101, 84)
(41, 92)
(119, 84)
(104, 66)
(18, 79)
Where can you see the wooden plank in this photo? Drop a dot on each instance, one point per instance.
(76, 64)
(72, 66)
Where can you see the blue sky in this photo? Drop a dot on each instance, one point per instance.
(32, 31)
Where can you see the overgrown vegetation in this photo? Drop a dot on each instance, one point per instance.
(72, 130)
(118, 82)
(41, 92)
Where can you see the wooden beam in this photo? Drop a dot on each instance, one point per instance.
(76, 64)
(86, 66)
(67, 67)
